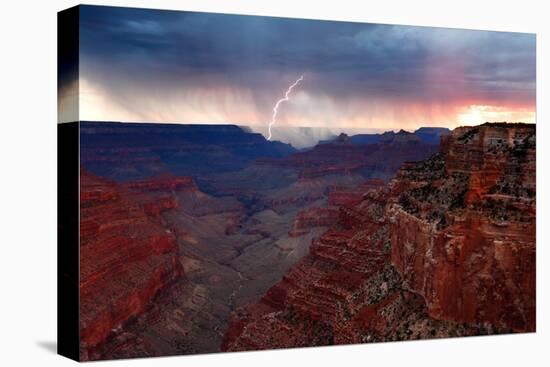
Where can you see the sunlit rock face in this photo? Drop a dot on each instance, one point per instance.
(442, 250)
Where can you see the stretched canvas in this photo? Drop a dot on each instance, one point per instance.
(236, 183)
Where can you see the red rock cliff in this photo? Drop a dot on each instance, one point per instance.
(126, 256)
(463, 229)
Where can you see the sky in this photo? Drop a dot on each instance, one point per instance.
(144, 65)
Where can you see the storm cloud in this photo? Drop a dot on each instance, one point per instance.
(168, 66)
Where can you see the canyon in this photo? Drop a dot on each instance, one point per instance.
(447, 248)
(207, 238)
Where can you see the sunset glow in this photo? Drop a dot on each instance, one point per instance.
(478, 114)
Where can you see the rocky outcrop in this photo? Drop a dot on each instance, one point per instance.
(438, 252)
(126, 257)
(350, 196)
(313, 217)
(463, 231)
(339, 199)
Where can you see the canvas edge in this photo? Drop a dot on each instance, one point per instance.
(68, 187)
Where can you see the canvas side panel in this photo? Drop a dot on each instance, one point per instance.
(68, 186)
(68, 65)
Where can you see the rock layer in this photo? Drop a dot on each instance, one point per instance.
(127, 257)
(443, 250)
(465, 240)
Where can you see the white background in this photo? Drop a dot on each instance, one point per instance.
(28, 183)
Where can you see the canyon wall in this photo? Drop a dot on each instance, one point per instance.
(447, 248)
(127, 255)
(464, 234)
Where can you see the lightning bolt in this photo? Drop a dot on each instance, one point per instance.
(284, 99)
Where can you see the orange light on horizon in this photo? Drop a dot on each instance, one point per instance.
(479, 114)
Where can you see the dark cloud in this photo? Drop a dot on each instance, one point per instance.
(167, 49)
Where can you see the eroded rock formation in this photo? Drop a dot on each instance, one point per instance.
(127, 256)
(464, 234)
(446, 249)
